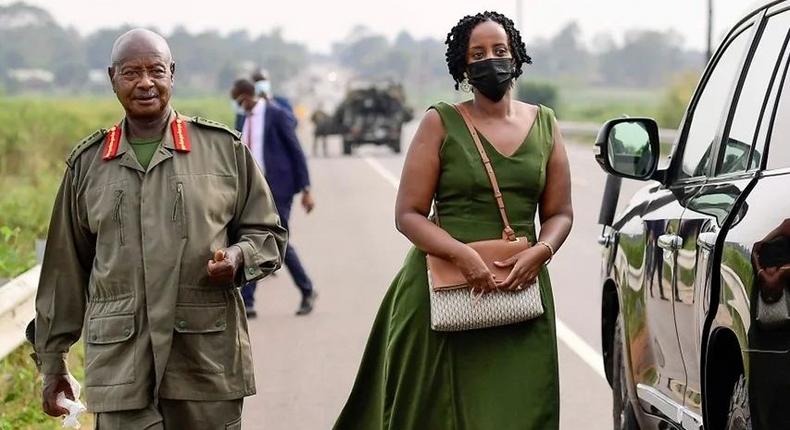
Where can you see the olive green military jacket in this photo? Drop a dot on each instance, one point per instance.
(126, 266)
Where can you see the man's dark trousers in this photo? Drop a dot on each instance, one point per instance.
(292, 262)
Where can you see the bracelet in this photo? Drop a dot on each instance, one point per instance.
(550, 248)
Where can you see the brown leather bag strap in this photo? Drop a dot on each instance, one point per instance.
(509, 233)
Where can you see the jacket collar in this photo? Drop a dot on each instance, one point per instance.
(176, 137)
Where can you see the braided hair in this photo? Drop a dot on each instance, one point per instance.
(458, 43)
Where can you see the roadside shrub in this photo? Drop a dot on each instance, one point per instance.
(676, 99)
(539, 92)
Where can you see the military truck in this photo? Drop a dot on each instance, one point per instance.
(372, 113)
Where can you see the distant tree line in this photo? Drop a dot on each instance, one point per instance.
(208, 62)
(644, 58)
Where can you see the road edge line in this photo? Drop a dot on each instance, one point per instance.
(579, 346)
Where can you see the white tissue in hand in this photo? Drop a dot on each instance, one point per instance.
(75, 407)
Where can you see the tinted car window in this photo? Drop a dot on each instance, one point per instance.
(779, 149)
(752, 98)
(779, 143)
(708, 112)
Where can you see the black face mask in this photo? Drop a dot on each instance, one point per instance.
(492, 77)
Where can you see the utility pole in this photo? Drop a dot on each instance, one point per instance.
(520, 27)
(709, 52)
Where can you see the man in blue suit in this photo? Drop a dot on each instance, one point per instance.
(268, 130)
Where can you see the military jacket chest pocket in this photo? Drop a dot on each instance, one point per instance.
(108, 208)
(202, 204)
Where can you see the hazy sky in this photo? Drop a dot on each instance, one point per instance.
(318, 23)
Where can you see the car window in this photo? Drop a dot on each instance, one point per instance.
(710, 107)
(752, 99)
(779, 145)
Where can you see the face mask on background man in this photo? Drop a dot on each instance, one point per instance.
(492, 77)
(263, 87)
(236, 107)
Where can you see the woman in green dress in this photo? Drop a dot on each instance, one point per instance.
(501, 378)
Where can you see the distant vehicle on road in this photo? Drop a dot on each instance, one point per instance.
(372, 113)
(695, 270)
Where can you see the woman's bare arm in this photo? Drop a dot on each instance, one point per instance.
(556, 209)
(417, 187)
(556, 219)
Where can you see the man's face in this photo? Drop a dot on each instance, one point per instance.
(246, 101)
(143, 84)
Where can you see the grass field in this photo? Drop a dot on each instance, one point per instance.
(20, 391)
(601, 104)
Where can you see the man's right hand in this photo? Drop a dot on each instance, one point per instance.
(53, 385)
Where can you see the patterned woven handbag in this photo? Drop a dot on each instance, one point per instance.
(454, 306)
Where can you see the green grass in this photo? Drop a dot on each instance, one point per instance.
(20, 391)
(601, 104)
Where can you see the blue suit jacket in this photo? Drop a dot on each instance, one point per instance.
(283, 158)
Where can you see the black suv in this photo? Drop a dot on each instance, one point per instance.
(695, 269)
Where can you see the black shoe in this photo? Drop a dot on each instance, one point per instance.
(251, 313)
(306, 306)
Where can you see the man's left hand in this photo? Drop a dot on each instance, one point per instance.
(222, 269)
(307, 201)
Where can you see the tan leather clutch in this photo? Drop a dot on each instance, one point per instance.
(445, 275)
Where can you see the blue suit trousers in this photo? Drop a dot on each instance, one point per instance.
(292, 262)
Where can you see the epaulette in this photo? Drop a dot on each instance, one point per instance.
(86, 143)
(216, 125)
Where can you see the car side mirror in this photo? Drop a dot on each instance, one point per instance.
(628, 147)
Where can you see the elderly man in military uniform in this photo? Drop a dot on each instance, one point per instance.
(158, 220)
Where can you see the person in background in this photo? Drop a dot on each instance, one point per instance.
(263, 89)
(158, 220)
(321, 128)
(269, 132)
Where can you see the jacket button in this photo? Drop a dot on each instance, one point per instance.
(127, 332)
(251, 270)
(94, 337)
(182, 324)
(220, 323)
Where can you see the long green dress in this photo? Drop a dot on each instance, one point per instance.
(414, 378)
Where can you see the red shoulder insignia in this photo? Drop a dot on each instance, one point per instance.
(111, 142)
(180, 135)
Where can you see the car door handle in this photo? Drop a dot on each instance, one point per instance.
(707, 241)
(605, 239)
(670, 242)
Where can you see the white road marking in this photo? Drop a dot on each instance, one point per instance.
(587, 353)
(381, 170)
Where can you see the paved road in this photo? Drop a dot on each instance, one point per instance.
(305, 366)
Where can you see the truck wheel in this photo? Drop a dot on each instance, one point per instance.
(622, 408)
(346, 147)
(740, 416)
